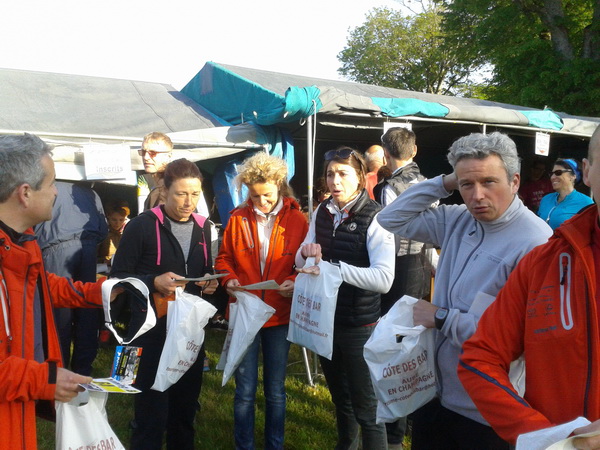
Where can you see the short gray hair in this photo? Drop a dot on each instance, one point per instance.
(21, 162)
(480, 146)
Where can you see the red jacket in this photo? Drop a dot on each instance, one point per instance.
(22, 379)
(547, 310)
(239, 253)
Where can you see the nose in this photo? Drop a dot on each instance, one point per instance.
(478, 192)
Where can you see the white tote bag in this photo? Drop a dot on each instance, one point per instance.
(400, 357)
(85, 426)
(187, 316)
(313, 308)
(250, 314)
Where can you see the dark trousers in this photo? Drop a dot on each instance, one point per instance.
(172, 411)
(77, 260)
(437, 428)
(351, 389)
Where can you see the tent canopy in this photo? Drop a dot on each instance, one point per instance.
(272, 98)
(72, 110)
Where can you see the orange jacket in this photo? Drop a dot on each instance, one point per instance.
(22, 379)
(239, 253)
(547, 310)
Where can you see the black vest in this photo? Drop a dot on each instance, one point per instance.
(348, 243)
(400, 181)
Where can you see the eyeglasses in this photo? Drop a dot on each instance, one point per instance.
(152, 153)
(559, 172)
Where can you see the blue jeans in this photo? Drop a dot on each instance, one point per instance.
(351, 389)
(275, 348)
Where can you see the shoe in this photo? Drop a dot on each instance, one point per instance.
(218, 322)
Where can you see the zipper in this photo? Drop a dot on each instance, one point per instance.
(566, 315)
(5, 305)
(247, 232)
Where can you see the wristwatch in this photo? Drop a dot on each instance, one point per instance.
(440, 317)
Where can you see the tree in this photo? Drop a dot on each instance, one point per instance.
(405, 52)
(543, 52)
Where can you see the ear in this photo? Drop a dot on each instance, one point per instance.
(516, 182)
(414, 153)
(23, 194)
(586, 171)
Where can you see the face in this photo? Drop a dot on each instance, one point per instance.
(156, 156)
(264, 196)
(343, 182)
(562, 182)
(41, 201)
(116, 221)
(484, 187)
(182, 198)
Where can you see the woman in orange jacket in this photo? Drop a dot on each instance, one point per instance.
(259, 244)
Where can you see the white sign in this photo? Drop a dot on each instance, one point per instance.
(388, 125)
(542, 144)
(107, 162)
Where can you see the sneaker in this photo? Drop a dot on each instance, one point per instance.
(219, 323)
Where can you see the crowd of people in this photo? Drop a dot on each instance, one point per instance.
(514, 270)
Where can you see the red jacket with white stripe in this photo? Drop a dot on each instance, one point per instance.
(22, 379)
(547, 311)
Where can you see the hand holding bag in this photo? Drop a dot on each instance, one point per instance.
(313, 308)
(251, 313)
(186, 318)
(400, 357)
(85, 426)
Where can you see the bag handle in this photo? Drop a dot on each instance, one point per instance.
(150, 320)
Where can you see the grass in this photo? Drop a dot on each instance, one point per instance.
(310, 420)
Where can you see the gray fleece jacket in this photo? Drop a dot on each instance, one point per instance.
(475, 261)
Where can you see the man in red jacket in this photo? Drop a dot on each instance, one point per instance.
(30, 358)
(548, 311)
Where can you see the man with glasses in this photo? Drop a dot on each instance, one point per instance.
(481, 242)
(156, 153)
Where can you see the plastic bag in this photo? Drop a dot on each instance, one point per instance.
(186, 318)
(85, 426)
(251, 313)
(313, 308)
(401, 362)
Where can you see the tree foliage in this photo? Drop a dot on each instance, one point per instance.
(544, 52)
(394, 50)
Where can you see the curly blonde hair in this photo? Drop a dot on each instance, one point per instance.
(264, 168)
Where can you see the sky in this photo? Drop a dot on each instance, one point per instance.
(170, 41)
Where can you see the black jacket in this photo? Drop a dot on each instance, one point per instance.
(348, 243)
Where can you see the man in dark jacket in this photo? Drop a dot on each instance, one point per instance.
(69, 245)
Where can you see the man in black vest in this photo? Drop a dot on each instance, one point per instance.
(413, 274)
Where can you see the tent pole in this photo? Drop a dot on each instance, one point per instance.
(309, 175)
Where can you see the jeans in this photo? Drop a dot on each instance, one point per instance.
(275, 348)
(351, 389)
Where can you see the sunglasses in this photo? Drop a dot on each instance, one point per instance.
(559, 172)
(152, 153)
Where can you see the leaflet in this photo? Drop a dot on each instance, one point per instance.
(263, 285)
(204, 278)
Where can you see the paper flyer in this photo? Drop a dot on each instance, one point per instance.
(110, 386)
